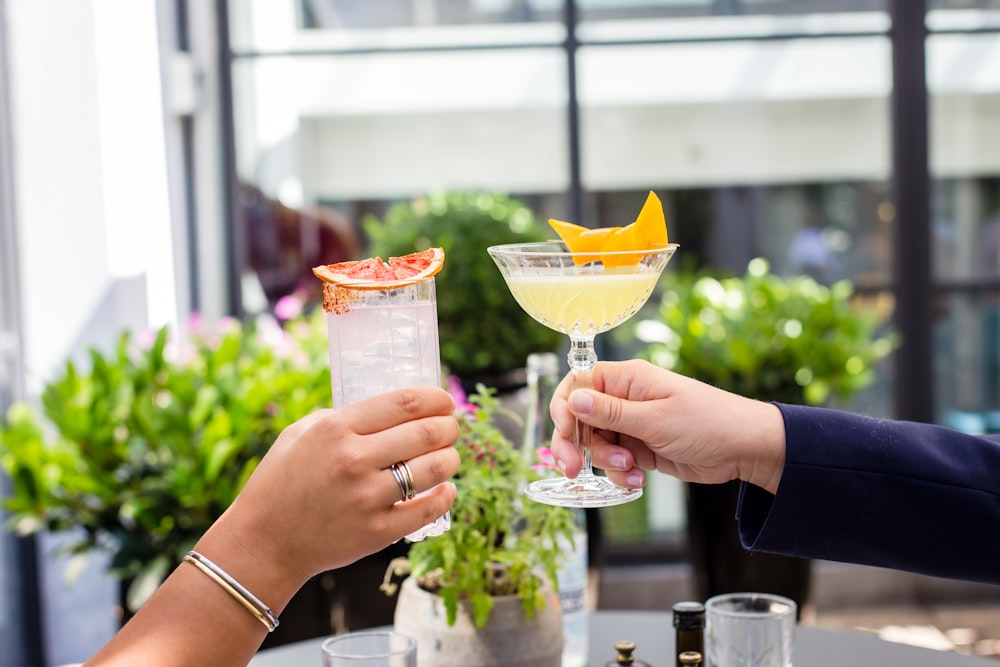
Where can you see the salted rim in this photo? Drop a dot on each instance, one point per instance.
(338, 297)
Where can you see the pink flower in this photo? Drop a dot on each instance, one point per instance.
(546, 461)
(270, 334)
(462, 405)
(289, 306)
(146, 338)
(195, 322)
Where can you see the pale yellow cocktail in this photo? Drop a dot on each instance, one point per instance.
(586, 303)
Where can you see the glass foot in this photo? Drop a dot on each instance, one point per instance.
(580, 492)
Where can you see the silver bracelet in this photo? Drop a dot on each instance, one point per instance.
(235, 589)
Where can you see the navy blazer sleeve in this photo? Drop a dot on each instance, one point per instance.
(903, 495)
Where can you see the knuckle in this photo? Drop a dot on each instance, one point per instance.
(442, 467)
(427, 434)
(331, 428)
(353, 460)
(369, 496)
(436, 432)
(409, 400)
(615, 411)
(431, 510)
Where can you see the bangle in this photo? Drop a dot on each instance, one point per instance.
(239, 593)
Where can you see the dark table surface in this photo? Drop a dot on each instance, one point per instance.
(653, 634)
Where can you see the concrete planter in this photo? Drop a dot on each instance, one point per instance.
(508, 640)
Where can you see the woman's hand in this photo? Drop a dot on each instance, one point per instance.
(321, 498)
(324, 495)
(648, 418)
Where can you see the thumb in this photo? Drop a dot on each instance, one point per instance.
(599, 410)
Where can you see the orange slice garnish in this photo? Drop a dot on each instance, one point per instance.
(622, 239)
(649, 230)
(567, 231)
(593, 240)
(651, 225)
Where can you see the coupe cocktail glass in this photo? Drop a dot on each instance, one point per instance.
(383, 339)
(581, 295)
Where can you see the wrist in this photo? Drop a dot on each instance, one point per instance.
(765, 447)
(251, 562)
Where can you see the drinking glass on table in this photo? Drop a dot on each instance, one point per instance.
(383, 338)
(580, 294)
(749, 630)
(370, 648)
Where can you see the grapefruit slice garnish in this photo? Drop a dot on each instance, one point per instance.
(343, 279)
(374, 273)
(647, 232)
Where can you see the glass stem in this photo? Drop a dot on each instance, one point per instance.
(581, 358)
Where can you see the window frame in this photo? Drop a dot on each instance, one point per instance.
(910, 180)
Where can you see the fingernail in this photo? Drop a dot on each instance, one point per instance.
(581, 402)
(635, 480)
(561, 465)
(618, 462)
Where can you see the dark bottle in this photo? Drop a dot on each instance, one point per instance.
(689, 624)
(625, 649)
(689, 659)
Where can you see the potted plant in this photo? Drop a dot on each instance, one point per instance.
(485, 336)
(494, 572)
(785, 339)
(140, 452)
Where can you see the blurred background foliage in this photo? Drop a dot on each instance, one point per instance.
(771, 337)
(140, 452)
(483, 331)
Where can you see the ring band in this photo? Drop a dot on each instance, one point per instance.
(399, 479)
(411, 488)
(404, 478)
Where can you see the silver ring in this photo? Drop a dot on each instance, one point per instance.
(404, 478)
(399, 479)
(411, 487)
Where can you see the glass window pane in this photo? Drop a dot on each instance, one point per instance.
(385, 125)
(966, 229)
(735, 112)
(657, 8)
(963, 4)
(352, 130)
(325, 25)
(967, 362)
(964, 80)
(777, 149)
(389, 13)
(351, 14)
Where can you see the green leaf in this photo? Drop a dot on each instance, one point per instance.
(141, 450)
(482, 605)
(777, 338)
(450, 598)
